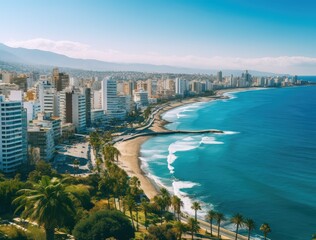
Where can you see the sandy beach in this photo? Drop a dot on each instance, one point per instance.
(129, 159)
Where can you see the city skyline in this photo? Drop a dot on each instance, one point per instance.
(273, 36)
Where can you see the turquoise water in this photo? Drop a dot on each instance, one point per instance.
(263, 166)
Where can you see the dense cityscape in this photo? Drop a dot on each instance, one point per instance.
(157, 120)
(50, 108)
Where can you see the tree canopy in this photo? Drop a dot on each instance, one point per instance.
(104, 224)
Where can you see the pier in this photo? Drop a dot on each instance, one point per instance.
(167, 132)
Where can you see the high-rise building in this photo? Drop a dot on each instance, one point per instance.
(181, 86)
(73, 108)
(220, 76)
(110, 100)
(87, 93)
(13, 145)
(32, 108)
(60, 80)
(48, 98)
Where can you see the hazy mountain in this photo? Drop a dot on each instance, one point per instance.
(39, 57)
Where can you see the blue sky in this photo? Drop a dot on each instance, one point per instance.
(268, 35)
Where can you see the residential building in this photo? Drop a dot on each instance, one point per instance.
(32, 109)
(109, 99)
(73, 108)
(42, 137)
(13, 148)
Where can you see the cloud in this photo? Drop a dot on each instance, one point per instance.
(281, 64)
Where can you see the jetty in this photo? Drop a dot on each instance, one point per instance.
(166, 132)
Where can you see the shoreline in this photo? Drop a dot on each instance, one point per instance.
(130, 150)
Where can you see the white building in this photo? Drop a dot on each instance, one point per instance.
(32, 109)
(181, 86)
(73, 108)
(110, 101)
(141, 98)
(48, 98)
(13, 148)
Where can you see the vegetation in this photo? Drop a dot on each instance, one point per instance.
(250, 224)
(196, 206)
(104, 224)
(193, 226)
(163, 232)
(47, 203)
(238, 220)
(265, 228)
(219, 217)
(209, 217)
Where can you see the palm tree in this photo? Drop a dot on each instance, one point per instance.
(209, 217)
(111, 153)
(166, 198)
(193, 226)
(196, 206)
(238, 220)
(47, 203)
(176, 205)
(160, 204)
(180, 228)
(265, 228)
(145, 205)
(95, 142)
(131, 205)
(250, 224)
(219, 217)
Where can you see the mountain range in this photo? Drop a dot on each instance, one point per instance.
(46, 58)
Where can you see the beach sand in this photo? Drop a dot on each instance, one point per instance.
(130, 162)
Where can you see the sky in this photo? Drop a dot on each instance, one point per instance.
(267, 35)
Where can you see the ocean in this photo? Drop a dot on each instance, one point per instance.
(263, 166)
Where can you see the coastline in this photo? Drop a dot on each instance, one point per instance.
(130, 150)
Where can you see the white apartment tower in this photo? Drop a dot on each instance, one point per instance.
(13, 148)
(48, 98)
(109, 99)
(73, 108)
(181, 86)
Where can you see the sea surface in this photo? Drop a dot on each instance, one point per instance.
(263, 166)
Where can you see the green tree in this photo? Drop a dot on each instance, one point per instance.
(103, 225)
(238, 220)
(176, 205)
(193, 226)
(196, 206)
(95, 142)
(47, 203)
(160, 204)
(219, 217)
(250, 224)
(180, 228)
(145, 207)
(166, 198)
(130, 205)
(111, 153)
(8, 192)
(265, 228)
(147, 112)
(163, 232)
(209, 217)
